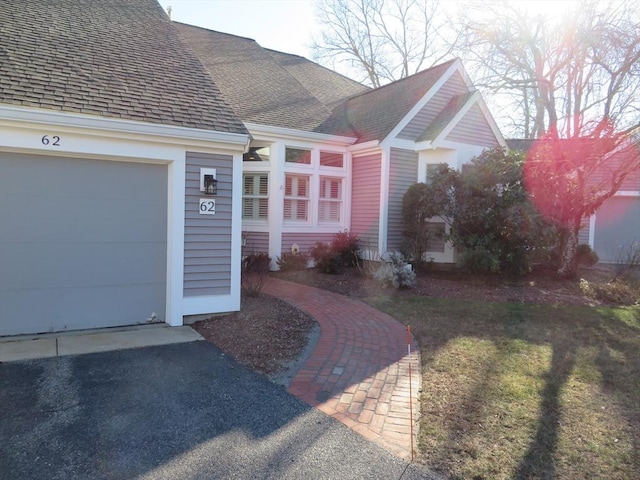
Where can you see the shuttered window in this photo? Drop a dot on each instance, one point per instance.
(296, 198)
(255, 196)
(330, 200)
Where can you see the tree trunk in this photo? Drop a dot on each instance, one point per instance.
(568, 267)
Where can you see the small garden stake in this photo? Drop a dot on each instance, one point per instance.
(410, 393)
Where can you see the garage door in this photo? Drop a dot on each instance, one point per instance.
(82, 243)
(617, 227)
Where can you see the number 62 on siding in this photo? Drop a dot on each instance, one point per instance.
(207, 206)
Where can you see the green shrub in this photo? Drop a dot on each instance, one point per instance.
(479, 260)
(292, 262)
(585, 255)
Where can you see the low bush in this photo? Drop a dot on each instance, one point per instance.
(347, 246)
(585, 255)
(326, 260)
(479, 260)
(616, 292)
(395, 272)
(289, 262)
(254, 272)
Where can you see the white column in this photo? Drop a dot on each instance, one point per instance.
(276, 201)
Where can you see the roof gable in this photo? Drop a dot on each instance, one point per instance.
(374, 114)
(113, 58)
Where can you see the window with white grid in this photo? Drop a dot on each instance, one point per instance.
(255, 196)
(330, 200)
(296, 198)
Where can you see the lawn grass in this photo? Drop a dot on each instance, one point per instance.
(515, 390)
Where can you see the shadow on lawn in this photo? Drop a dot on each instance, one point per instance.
(570, 333)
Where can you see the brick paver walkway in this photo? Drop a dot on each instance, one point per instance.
(359, 370)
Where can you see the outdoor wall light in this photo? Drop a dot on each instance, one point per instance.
(210, 185)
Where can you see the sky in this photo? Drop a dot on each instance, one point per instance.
(283, 25)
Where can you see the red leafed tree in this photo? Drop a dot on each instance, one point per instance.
(570, 178)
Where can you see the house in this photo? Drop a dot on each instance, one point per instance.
(139, 157)
(328, 154)
(613, 230)
(108, 126)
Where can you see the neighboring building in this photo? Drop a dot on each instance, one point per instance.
(114, 118)
(613, 231)
(328, 154)
(106, 121)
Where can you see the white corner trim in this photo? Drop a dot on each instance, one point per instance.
(385, 167)
(492, 122)
(39, 118)
(592, 231)
(455, 66)
(471, 101)
(258, 130)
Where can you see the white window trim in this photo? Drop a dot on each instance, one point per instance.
(297, 198)
(339, 200)
(255, 197)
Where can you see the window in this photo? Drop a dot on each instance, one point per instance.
(432, 169)
(296, 198)
(257, 154)
(255, 196)
(436, 237)
(297, 155)
(330, 200)
(331, 159)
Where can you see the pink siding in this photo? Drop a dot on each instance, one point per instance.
(255, 242)
(304, 240)
(452, 87)
(365, 199)
(473, 129)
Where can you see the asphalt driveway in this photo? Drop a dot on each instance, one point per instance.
(183, 411)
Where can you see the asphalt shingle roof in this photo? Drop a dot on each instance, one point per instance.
(326, 85)
(113, 58)
(372, 115)
(258, 88)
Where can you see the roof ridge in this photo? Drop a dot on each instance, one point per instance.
(217, 31)
(321, 66)
(407, 78)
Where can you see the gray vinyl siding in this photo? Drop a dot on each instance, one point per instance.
(617, 227)
(403, 173)
(207, 238)
(473, 129)
(304, 240)
(452, 87)
(255, 242)
(83, 243)
(583, 233)
(365, 199)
